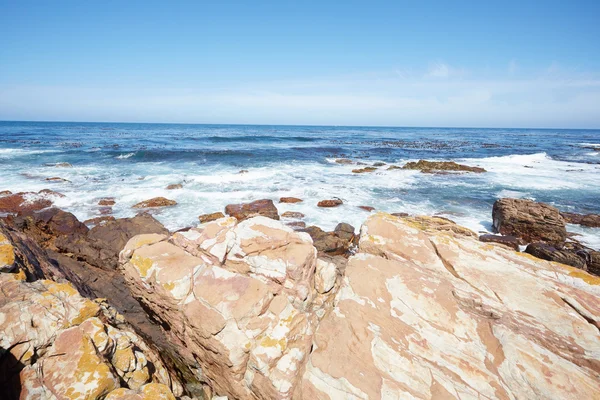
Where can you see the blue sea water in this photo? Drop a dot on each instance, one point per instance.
(134, 162)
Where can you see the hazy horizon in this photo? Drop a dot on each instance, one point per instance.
(522, 65)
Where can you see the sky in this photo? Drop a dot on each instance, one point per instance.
(386, 63)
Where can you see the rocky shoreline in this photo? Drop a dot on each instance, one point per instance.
(251, 304)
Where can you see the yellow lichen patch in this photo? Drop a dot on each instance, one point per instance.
(20, 275)
(268, 341)
(117, 394)
(7, 253)
(123, 359)
(138, 378)
(61, 288)
(587, 278)
(169, 286)
(157, 391)
(142, 264)
(89, 310)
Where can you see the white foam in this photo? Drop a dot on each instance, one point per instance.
(124, 156)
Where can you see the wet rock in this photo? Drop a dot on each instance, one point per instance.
(296, 224)
(5, 192)
(99, 220)
(60, 165)
(243, 211)
(175, 186)
(332, 243)
(344, 231)
(204, 218)
(400, 214)
(367, 208)
(529, 221)
(379, 164)
(57, 179)
(292, 214)
(363, 170)
(52, 193)
(393, 167)
(550, 253)
(343, 161)
(509, 241)
(107, 201)
(100, 247)
(155, 202)
(330, 203)
(432, 167)
(590, 220)
(24, 202)
(290, 200)
(243, 171)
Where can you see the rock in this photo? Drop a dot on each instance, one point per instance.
(24, 202)
(57, 179)
(590, 220)
(400, 214)
(7, 254)
(297, 224)
(175, 186)
(363, 170)
(326, 275)
(290, 200)
(243, 171)
(100, 247)
(243, 211)
(432, 167)
(5, 192)
(247, 310)
(155, 202)
(367, 208)
(432, 315)
(60, 165)
(99, 220)
(332, 243)
(292, 214)
(441, 224)
(344, 231)
(343, 161)
(529, 221)
(61, 345)
(51, 193)
(550, 253)
(107, 201)
(509, 241)
(330, 203)
(379, 164)
(393, 167)
(204, 218)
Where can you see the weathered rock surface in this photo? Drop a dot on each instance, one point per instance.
(564, 256)
(434, 167)
(529, 221)
(107, 201)
(99, 220)
(264, 207)
(423, 310)
(363, 170)
(204, 218)
(237, 297)
(25, 202)
(290, 200)
(155, 202)
(330, 203)
(590, 220)
(367, 208)
(343, 161)
(509, 241)
(57, 344)
(292, 214)
(442, 315)
(175, 186)
(337, 242)
(100, 247)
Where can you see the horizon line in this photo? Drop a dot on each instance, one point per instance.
(299, 125)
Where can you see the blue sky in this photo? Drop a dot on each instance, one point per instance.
(394, 63)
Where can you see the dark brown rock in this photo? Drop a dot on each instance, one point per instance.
(343, 161)
(363, 170)
(393, 167)
(107, 201)
(297, 224)
(529, 221)
(210, 217)
(400, 214)
(57, 179)
(509, 241)
(432, 167)
(590, 220)
(292, 214)
(99, 220)
(23, 202)
(175, 186)
(51, 192)
(155, 202)
(330, 203)
(290, 200)
(367, 208)
(337, 242)
(100, 247)
(379, 164)
(264, 207)
(547, 252)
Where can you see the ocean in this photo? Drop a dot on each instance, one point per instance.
(133, 162)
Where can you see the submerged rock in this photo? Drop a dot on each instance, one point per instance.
(264, 207)
(292, 214)
(290, 200)
(330, 203)
(433, 167)
(529, 221)
(57, 179)
(155, 202)
(107, 201)
(589, 220)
